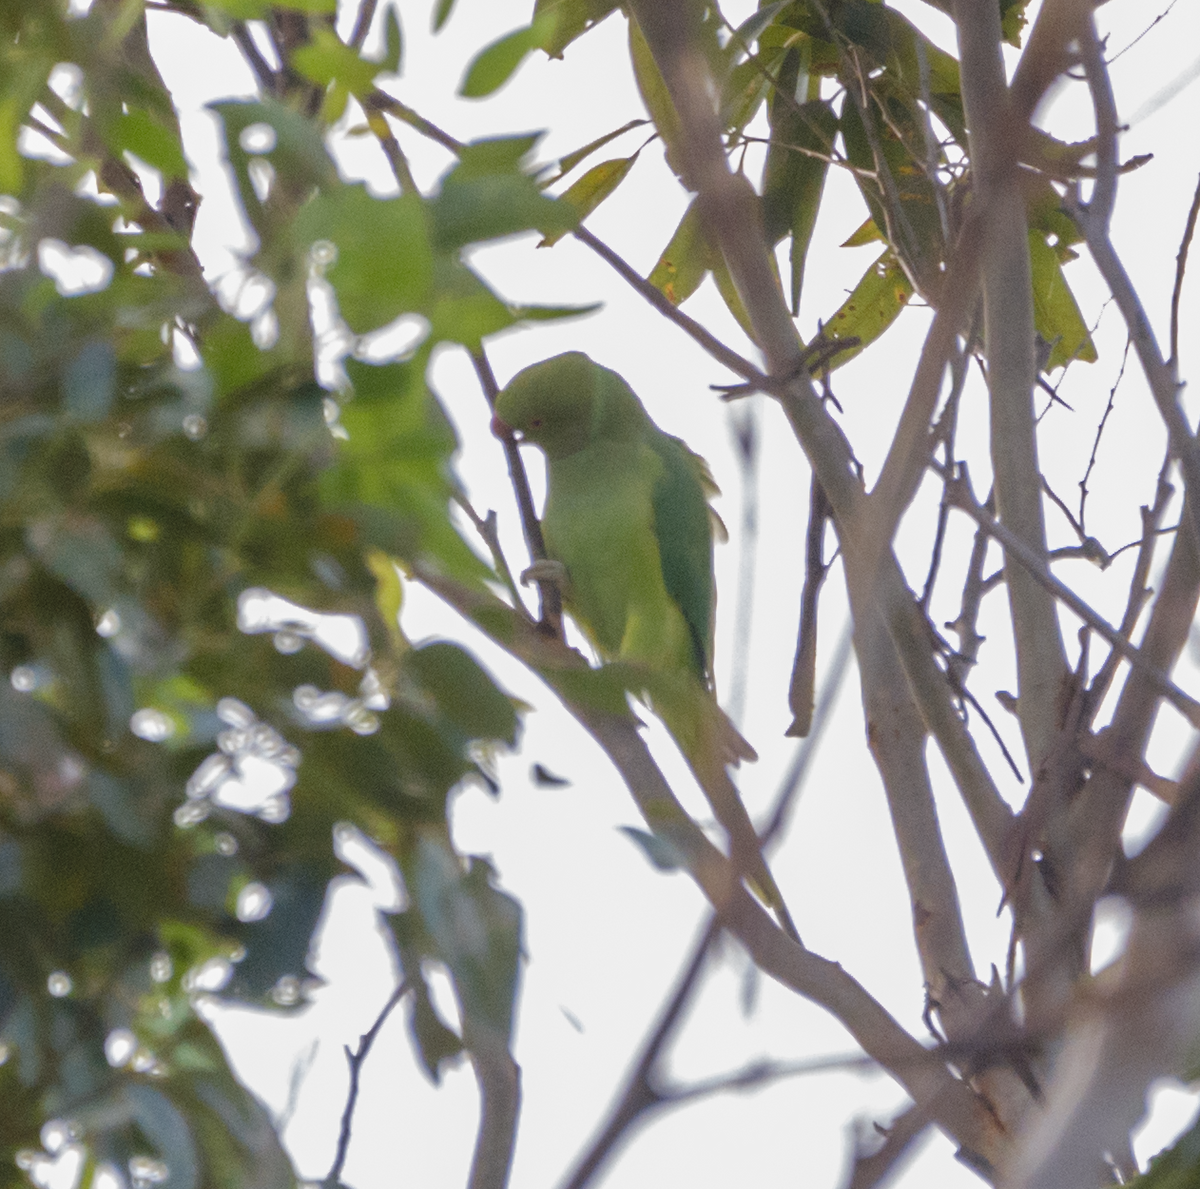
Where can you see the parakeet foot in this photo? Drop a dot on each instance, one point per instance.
(544, 570)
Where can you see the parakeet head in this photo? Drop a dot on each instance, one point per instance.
(568, 402)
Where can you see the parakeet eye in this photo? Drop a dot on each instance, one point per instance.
(535, 423)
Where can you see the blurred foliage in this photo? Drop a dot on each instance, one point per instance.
(178, 745)
(177, 749)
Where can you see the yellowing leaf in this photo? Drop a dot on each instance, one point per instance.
(684, 261)
(592, 189)
(870, 309)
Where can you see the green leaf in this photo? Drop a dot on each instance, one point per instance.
(592, 189)
(494, 65)
(436, 1041)
(871, 308)
(487, 195)
(278, 945)
(794, 179)
(89, 382)
(902, 201)
(384, 261)
(1056, 313)
(393, 42)
(465, 694)
(326, 58)
(729, 294)
(441, 14)
(12, 164)
(392, 474)
(298, 153)
(568, 163)
(163, 1125)
(573, 18)
(139, 133)
(655, 96)
(663, 855)
(685, 261)
(477, 931)
(867, 233)
(1012, 20)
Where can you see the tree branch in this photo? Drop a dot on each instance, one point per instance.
(1009, 339)
(1019, 551)
(499, 1079)
(1093, 221)
(951, 1104)
(642, 1091)
(548, 591)
(1180, 268)
(362, 23)
(355, 1058)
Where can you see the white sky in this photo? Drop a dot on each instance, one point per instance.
(606, 933)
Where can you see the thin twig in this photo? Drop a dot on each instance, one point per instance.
(802, 686)
(640, 1093)
(382, 101)
(643, 1091)
(1112, 396)
(744, 425)
(1125, 49)
(1180, 267)
(1093, 221)
(951, 1104)
(1090, 550)
(254, 58)
(717, 349)
(355, 1058)
(548, 591)
(944, 433)
(392, 151)
(1138, 586)
(871, 1169)
(362, 24)
(1035, 565)
(488, 529)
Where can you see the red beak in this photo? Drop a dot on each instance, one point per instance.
(501, 429)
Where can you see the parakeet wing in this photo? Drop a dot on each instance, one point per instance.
(685, 541)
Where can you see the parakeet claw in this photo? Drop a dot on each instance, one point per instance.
(544, 570)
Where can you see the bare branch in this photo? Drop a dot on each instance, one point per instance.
(883, 607)
(872, 1169)
(499, 1079)
(1138, 588)
(1011, 368)
(951, 1104)
(1180, 268)
(355, 1057)
(802, 688)
(362, 23)
(1093, 221)
(1108, 408)
(382, 101)
(1038, 570)
(550, 595)
(659, 300)
(254, 58)
(640, 1093)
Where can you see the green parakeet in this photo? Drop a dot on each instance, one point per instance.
(627, 517)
